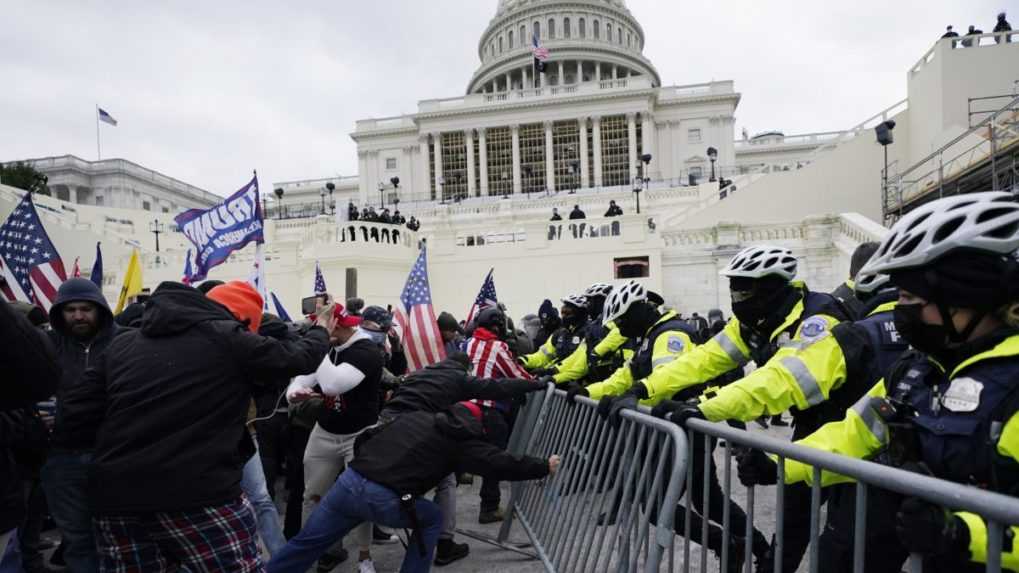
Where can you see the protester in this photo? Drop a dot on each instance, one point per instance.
(349, 378)
(352, 212)
(31, 374)
(165, 406)
(576, 213)
(846, 292)
(949, 33)
(614, 210)
(452, 333)
(548, 316)
(83, 328)
(973, 31)
(393, 470)
(555, 215)
(413, 224)
(1002, 25)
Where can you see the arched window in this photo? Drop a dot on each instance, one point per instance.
(566, 28)
(619, 35)
(608, 32)
(500, 44)
(583, 28)
(551, 29)
(597, 30)
(523, 35)
(537, 30)
(629, 40)
(511, 39)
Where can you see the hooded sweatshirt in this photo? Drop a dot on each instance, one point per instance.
(167, 403)
(75, 355)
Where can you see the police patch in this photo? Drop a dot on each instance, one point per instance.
(576, 340)
(813, 328)
(963, 395)
(675, 344)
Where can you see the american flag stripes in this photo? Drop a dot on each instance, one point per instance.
(28, 260)
(491, 358)
(486, 297)
(421, 337)
(320, 282)
(540, 52)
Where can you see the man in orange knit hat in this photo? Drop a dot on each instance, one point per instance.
(168, 404)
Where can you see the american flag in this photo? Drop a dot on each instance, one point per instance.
(421, 335)
(540, 52)
(320, 283)
(28, 260)
(76, 270)
(485, 298)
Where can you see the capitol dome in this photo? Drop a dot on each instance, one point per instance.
(588, 40)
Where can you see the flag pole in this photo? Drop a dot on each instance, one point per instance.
(99, 151)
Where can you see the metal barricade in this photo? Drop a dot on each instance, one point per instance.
(999, 511)
(612, 504)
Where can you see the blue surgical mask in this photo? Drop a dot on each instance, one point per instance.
(377, 337)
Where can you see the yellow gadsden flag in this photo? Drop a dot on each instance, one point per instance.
(132, 282)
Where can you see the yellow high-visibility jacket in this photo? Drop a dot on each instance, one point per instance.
(574, 367)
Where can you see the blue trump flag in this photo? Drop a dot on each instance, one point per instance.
(97, 268)
(223, 229)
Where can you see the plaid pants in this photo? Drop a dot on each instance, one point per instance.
(211, 539)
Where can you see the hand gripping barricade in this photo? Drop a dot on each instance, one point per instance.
(611, 505)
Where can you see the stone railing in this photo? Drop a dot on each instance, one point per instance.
(788, 141)
(847, 231)
(963, 43)
(478, 100)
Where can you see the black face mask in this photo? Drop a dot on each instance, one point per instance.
(759, 309)
(927, 338)
(576, 318)
(636, 321)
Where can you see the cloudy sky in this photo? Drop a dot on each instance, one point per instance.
(207, 91)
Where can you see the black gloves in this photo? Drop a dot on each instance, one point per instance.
(930, 529)
(611, 407)
(665, 408)
(678, 412)
(575, 390)
(542, 372)
(546, 379)
(756, 468)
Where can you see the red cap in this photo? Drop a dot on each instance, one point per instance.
(243, 301)
(344, 318)
(475, 411)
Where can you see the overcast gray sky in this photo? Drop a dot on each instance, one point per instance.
(207, 91)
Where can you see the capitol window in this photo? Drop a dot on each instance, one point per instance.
(583, 28)
(551, 29)
(537, 30)
(693, 135)
(608, 32)
(511, 39)
(619, 35)
(523, 35)
(597, 30)
(390, 163)
(566, 28)
(500, 44)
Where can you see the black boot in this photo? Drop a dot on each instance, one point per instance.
(448, 551)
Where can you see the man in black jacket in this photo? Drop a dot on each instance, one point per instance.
(83, 328)
(31, 373)
(392, 470)
(166, 407)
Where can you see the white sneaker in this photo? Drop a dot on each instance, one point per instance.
(366, 566)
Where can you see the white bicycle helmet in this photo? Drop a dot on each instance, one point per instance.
(761, 261)
(986, 222)
(622, 299)
(577, 300)
(870, 283)
(598, 289)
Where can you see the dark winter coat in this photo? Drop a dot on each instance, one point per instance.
(76, 356)
(168, 403)
(414, 452)
(31, 373)
(439, 386)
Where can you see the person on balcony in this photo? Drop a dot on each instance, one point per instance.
(1002, 26)
(973, 31)
(555, 215)
(950, 33)
(576, 214)
(413, 224)
(352, 212)
(614, 210)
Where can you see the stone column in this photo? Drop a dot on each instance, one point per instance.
(509, 81)
(549, 157)
(469, 140)
(516, 158)
(72, 194)
(597, 71)
(648, 139)
(424, 171)
(631, 132)
(362, 180)
(483, 156)
(437, 138)
(615, 72)
(585, 181)
(528, 75)
(562, 77)
(596, 135)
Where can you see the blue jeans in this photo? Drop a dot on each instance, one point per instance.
(65, 481)
(254, 486)
(10, 558)
(353, 499)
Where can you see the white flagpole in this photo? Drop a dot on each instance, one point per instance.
(99, 152)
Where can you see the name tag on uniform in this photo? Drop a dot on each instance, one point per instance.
(963, 395)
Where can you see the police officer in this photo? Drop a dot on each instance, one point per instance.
(603, 350)
(565, 340)
(774, 316)
(862, 352)
(954, 396)
(664, 337)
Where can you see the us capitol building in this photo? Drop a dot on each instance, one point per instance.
(482, 171)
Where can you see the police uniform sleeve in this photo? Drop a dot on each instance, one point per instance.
(802, 373)
(861, 434)
(615, 385)
(668, 347)
(1008, 446)
(612, 341)
(725, 351)
(574, 367)
(542, 358)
